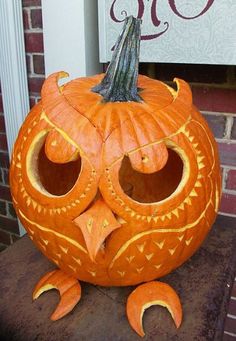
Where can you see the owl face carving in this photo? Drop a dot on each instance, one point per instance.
(116, 179)
(115, 193)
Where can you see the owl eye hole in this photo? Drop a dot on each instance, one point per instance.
(50, 178)
(57, 178)
(150, 188)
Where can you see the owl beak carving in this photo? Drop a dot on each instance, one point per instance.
(96, 224)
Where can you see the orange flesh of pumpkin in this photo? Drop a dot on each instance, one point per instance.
(68, 287)
(180, 200)
(116, 187)
(154, 164)
(148, 294)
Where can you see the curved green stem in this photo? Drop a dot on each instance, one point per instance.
(120, 81)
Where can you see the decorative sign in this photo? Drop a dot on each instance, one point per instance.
(174, 31)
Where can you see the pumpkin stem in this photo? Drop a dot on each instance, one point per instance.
(120, 81)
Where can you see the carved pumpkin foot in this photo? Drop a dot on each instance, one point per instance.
(148, 294)
(68, 287)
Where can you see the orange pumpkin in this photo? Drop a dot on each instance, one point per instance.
(116, 177)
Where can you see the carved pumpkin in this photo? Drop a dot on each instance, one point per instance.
(116, 177)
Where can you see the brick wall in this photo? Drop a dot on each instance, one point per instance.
(8, 222)
(32, 17)
(214, 92)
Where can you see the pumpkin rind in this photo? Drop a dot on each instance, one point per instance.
(147, 295)
(74, 125)
(116, 179)
(68, 287)
(187, 213)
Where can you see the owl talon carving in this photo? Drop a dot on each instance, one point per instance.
(68, 287)
(147, 295)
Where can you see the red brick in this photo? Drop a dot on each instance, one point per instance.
(36, 18)
(34, 42)
(228, 203)
(231, 179)
(28, 64)
(227, 153)
(27, 3)
(3, 208)
(34, 99)
(35, 84)
(26, 19)
(38, 62)
(227, 337)
(2, 124)
(38, 98)
(5, 193)
(10, 225)
(1, 104)
(233, 292)
(4, 160)
(233, 133)
(197, 73)
(217, 124)
(222, 170)
(232, 307)
(5, 237)
(215, 99)
(3, 141)
(32, 102)
(230, 325)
